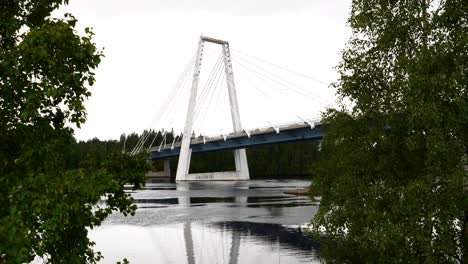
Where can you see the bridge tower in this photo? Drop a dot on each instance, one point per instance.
(240, 157)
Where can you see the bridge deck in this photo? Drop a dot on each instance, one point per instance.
(266, 136)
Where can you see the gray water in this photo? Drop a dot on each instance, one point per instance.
(212, 222)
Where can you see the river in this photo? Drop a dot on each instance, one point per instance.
(212, 222)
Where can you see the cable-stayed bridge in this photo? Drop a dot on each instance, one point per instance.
(217, 101)
(292, 132)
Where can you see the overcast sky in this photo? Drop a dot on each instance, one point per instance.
(147, 44)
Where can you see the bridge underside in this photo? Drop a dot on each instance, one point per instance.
(242, 140)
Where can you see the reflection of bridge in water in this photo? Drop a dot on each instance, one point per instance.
(273, 233)
(289, 238)
(189, 246)
(212, 222)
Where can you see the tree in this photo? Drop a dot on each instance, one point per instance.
(393, 173)
(46, 209)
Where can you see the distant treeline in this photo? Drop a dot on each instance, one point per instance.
(289, 160)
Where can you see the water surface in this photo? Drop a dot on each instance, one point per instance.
(212, 222)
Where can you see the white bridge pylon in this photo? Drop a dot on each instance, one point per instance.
(240, 157)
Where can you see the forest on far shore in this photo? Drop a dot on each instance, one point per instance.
(288, 160)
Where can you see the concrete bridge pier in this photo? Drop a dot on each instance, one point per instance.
(158, 175)
(240, 157)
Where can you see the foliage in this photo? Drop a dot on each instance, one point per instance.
(47, 207)
(393, 176)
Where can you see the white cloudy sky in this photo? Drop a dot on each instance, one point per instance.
(147, 44)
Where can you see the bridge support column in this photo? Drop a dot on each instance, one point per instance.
(240, 157)
(189, 158)
(184, 156)
(160, 175)
(167, 167)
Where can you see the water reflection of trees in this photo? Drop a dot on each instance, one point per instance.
(292, 238)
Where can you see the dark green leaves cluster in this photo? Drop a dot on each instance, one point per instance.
(394, 171)
(47, 203)
(45, 59)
